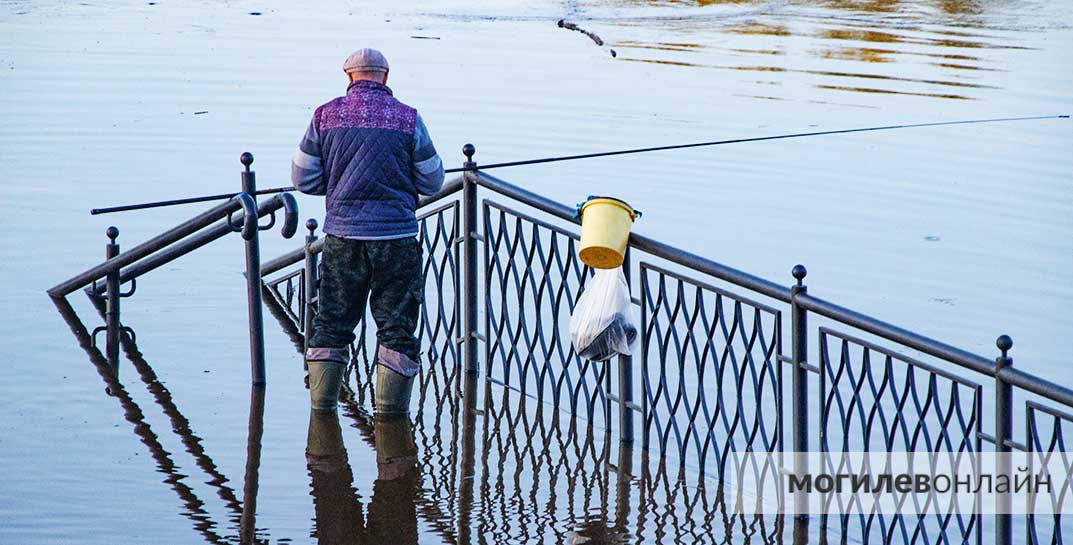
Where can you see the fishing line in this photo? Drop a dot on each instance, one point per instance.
(222, 196)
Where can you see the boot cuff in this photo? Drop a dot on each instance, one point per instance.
(340, 355)
(397, 361)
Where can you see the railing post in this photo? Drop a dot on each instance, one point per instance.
(309, 290)
(253, 281)
(469, 393)
(112, 295)
(469, 252)
(251, 482)
(624, 467)
(625, 379)
(623, 485)
(799, 328)
(1003, 437)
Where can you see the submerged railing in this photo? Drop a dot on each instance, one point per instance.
(104, 280)
(714, 380)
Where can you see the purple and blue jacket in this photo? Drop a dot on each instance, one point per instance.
(371, 156)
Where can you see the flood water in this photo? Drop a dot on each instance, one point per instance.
(961, 233)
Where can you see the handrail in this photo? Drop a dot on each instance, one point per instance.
(166, 238)
(249, 209)
(188, 245)
(134, 256)
(170, 244)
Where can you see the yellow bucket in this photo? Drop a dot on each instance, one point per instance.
(605, 230)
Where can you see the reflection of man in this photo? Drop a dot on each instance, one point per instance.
(371, 156)
(392, 515)
(337, 511)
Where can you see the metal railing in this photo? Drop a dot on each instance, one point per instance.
(711, 383)
(105, 280)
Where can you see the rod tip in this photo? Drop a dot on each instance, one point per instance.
(1064, 116)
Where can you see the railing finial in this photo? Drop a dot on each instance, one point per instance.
(246, 159)
(1004, 343)
(112, 232)
(799, 273)
(311, 224)
(468, 150)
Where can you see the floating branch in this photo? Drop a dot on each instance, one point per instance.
(571, 26)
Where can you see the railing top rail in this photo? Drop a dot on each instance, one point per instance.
(450, 187)
(1036, 406)
(894, 333)
(1037, 385)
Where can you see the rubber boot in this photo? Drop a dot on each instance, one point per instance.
(325, 379)
(393, 391)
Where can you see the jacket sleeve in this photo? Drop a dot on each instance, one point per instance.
(307, 169)
(427, 169)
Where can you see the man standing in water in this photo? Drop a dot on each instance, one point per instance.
(371, 156)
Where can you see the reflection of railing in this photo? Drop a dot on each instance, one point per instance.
(104, 280)
(710, 385)
(195, 508)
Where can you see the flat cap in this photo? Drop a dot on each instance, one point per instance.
(365, 60)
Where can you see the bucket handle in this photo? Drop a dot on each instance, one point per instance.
(580, 205)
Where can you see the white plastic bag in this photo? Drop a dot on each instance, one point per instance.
(602, 325)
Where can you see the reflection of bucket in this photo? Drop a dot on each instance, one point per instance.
(605, 230)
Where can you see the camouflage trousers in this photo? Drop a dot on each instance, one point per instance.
(386, 275)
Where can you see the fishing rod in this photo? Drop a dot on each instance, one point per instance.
(222, 196)
(190, 200)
